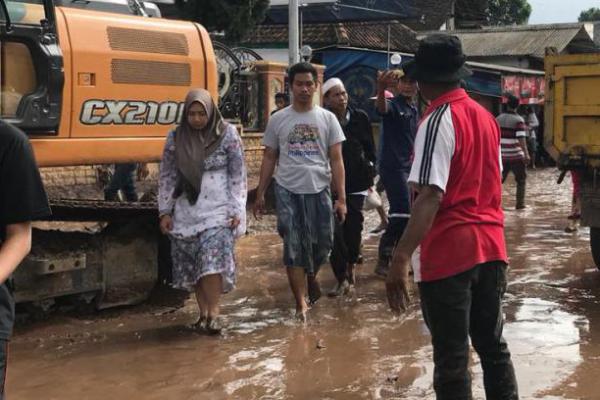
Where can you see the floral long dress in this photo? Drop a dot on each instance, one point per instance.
(202, 242)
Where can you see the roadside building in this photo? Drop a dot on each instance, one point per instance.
(523, 46)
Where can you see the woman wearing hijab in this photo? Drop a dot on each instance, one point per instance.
(202, 203)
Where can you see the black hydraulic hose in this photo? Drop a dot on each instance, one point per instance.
(5, 10)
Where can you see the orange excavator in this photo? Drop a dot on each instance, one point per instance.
(97, 87)
(91, 85)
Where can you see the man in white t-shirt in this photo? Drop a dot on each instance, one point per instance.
(304, 142)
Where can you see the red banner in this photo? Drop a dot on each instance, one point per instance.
(529, 89)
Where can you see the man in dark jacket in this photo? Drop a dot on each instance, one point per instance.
(359, 163)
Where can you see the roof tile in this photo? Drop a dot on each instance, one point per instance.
(369, 35)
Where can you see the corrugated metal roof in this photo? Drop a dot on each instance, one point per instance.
(368, 35)
(527, 40)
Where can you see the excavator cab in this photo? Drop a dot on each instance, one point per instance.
(31, 67)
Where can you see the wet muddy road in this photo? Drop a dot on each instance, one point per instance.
(352, 348)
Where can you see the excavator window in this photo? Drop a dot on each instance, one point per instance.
(17, 76)
(17, 72)
(29, 12)
(31, 70)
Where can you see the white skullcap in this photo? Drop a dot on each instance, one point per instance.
(331, 83)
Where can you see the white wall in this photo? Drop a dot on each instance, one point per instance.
(275, 55)
(593, 29)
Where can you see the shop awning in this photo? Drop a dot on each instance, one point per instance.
(529, 89)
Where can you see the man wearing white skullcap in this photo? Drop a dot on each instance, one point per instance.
(330, 83)
(358, 152)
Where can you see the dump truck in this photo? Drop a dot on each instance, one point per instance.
(572, 129)
(89, 86)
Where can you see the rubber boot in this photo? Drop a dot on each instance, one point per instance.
(520, 195)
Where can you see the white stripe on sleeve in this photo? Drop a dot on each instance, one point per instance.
(434, 147)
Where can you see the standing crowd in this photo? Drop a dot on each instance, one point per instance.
(441, 166)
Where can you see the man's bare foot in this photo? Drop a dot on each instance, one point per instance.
(301, 315)
(573, 225)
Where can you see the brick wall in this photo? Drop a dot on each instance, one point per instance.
(81, 175)
(254, 151)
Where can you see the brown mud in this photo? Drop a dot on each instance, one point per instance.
(351, 348)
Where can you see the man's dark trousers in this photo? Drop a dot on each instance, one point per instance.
(398, 194)
(347, 237)
(469, 304)
(123, 179)
(519, 169)
(3, 363)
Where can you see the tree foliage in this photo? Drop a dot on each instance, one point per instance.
(508, 12)
(591, 14)
(471, 12)
(234, 17)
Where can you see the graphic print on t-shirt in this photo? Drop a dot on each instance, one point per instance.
(303, 141)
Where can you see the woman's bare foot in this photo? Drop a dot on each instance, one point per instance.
(199, 326)
(214, 326)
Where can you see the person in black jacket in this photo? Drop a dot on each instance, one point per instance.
(358, 152)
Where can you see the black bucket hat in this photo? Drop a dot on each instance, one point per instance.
(440, 58)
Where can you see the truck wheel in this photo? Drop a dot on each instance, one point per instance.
(595, 245)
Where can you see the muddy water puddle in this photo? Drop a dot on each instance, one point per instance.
(351, 348)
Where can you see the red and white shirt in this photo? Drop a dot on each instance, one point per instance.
(513, 128)
(457, 149)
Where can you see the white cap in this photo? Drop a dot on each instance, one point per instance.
(331, 83)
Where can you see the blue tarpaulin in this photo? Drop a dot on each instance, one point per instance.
(488, 83)
(357, 68)
(340, 59)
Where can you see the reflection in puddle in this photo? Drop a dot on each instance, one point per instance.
(258, 370)
(544, 339)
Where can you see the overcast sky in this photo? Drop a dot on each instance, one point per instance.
(549, 11)
(543, 11)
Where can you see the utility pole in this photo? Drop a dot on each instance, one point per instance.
(294, 32)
